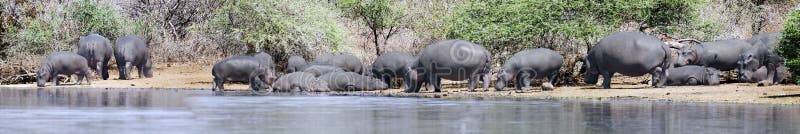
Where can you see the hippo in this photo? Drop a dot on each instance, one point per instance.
(768, 39)
(782, 75)
(241, 69)
(295, 64)
(532, 63)
(389, 65)
(300, 82)
(64, 63)
(455, 60)
(351, 81)
(266, 59)
(348, 63)
(323, 58)
(692, 75)
(722, 54)
(132, 51)
(97, 51)
(754, 58)
(630, 54)
(319, 70)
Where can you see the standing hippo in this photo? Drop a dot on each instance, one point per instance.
(532, 63)
(266, 59)
(348, 63)
(757, 56)
(319, 70)
(768, 39)
(295, 64)
(692, 75)
(455, 60)
(300, 82)
(132, 51)
(350, 81)
(97, 51)
(630, 54)
(389, 65)
(240, 69)
(64, 63)
(722, 54)
(323, 58)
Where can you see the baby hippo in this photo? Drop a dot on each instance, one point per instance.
(300, 82)
(350, 81)
(532, 63)
(319, 70)
(692, 75)
(64, 63)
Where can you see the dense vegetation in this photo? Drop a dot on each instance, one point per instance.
(789, 46)
(206, 30)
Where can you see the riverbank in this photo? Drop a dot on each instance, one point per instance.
(198, 76)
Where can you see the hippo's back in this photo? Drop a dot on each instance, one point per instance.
(457, 56)
(629, 53)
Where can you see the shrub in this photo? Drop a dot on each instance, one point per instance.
(789, 46)
(92, 17)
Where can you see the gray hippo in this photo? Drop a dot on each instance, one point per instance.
(241, 69)
(768, 39)
(64, 63)
(722, 54)
(455, 60)
(782, 75)
(132, 51)
(266, 59)
(754, 58)
(389, 65)
(97, 51)
(323, 58)
(350, 81)
(630, 54)
(692, 75)
(319, 70)
(348, 63)
(532, 63)
(300, 82)
(296, 64)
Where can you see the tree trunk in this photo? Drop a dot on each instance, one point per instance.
(375, 41)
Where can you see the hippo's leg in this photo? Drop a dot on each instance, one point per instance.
(104, 70)
(80, 78)
(607, 79)
(388, 81)
(434, 80)
(218, 84)
(55, 79)
(472, 81)
(553, 78)
(128, 70)
(486, 80)
(140, 67)
(98, 70)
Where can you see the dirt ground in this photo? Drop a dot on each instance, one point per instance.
(197, 76)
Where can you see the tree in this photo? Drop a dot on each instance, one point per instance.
(381, 16)
(788, 46)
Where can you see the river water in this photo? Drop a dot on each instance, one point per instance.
(60, 110)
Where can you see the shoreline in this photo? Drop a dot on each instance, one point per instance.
(198, 77)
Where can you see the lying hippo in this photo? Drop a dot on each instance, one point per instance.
(64, 63)
(390, 65)
(132, 51)
(300, 82)
(455, 60)
(630, 54)
(241, 69)
(692, 75)
(350, 81)
(537, 63)
(295, 64)
(319, 70)
(722, 54)
(759, 75)
(97, 51)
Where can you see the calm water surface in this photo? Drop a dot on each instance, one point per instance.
(55, 110)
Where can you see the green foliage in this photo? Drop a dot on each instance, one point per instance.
(789, 46)
(523, 23)
(277, 26)
(383, 17)
(94, 18)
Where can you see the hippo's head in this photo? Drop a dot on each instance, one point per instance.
(591, 75)
(320, 85)
(502, 79)
(747, 66)
(686, 56)
(41, 77)
(712, 76)
(269, 76)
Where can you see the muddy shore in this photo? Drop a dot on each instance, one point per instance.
(187, 76)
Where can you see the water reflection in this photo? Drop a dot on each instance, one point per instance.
(187, 111)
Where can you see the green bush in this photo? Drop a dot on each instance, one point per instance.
(521, 24)
(789, 46)
(94, 18)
